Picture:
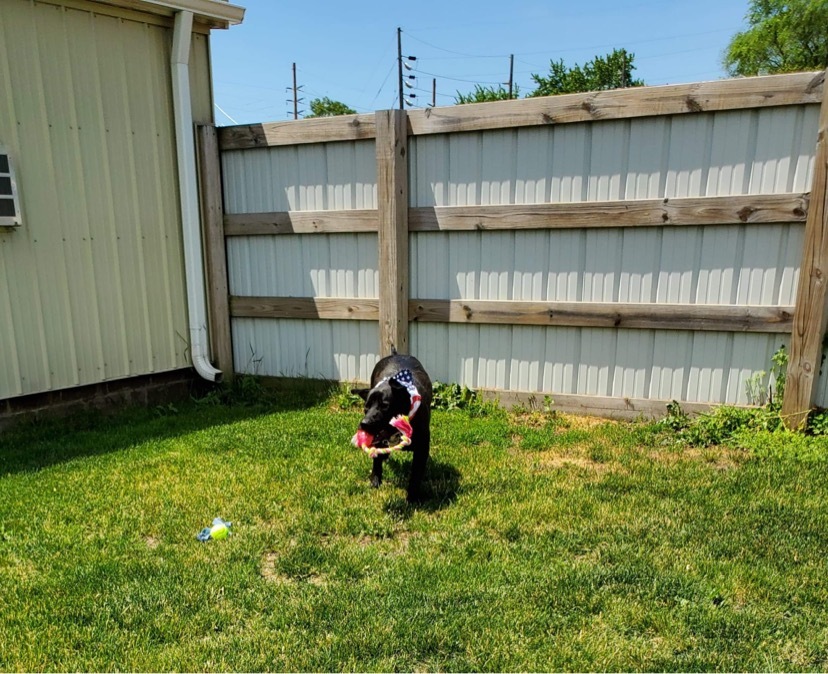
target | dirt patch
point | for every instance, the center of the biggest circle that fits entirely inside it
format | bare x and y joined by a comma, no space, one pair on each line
719,458
549,461
577,422
579,456
315,579
391,546
152,542
797,655
534,419
20,569
560,422
269,570
565,461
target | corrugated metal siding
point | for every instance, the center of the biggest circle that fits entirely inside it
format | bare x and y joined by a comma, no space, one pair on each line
330,176
336,350
738,264
336,265
662,365
762,151
318,177
93,282
744,152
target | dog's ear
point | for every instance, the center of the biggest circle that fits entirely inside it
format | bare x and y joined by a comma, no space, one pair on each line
361,392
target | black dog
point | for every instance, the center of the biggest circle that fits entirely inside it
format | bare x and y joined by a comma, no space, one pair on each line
396,382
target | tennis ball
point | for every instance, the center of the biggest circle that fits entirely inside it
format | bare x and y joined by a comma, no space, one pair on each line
219,531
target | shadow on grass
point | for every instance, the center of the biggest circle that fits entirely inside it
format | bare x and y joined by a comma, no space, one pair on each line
440,487
47,441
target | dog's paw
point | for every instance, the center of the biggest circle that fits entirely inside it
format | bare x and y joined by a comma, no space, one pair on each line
376,481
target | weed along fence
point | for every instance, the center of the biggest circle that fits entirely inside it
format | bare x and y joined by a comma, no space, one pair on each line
613,250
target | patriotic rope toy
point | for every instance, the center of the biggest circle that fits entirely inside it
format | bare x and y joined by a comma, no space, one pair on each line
402,422
364,440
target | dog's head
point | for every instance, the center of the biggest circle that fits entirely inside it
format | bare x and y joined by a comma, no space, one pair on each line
382,403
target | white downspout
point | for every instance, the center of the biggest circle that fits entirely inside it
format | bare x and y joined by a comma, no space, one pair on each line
188,194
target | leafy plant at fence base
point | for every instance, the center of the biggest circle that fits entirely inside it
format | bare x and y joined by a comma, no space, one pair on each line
755,388
818,422
452,397
779,372
728,424
245,389
676,420
719,426
345,400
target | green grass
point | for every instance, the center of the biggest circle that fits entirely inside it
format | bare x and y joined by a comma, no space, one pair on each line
546,543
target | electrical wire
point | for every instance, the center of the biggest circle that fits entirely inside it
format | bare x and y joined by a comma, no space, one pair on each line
450,51
382,86
487,79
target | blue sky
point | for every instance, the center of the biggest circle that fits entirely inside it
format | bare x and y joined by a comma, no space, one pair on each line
347,51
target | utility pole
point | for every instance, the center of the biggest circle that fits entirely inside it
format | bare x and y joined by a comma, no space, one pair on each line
624,69
296,100
434,92
400,63
400,66
511,74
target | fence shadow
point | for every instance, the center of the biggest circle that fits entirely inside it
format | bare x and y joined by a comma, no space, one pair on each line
41,442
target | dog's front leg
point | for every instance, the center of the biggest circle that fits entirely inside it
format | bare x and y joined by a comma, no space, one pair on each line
376,471
418,466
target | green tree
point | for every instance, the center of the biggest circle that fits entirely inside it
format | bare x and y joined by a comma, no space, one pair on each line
486,94
612,71
783,36
325,107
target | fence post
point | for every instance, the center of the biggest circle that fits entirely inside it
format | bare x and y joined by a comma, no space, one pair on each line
392,206
810,317
212,214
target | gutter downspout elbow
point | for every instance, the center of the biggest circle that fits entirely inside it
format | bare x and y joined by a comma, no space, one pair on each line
188,195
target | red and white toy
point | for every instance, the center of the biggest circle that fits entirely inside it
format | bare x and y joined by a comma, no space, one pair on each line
364,440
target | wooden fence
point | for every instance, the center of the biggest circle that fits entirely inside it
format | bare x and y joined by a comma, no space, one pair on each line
717,172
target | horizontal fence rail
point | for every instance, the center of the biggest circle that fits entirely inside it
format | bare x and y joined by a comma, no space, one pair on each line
753,209
757,209
396,218
675,99
606,315
570,314
298,222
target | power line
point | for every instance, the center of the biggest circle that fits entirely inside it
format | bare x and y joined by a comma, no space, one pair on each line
408,85
451,51
456,54
628,43
457,79
382,86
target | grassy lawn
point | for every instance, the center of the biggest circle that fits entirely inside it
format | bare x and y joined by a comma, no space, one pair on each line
547,543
